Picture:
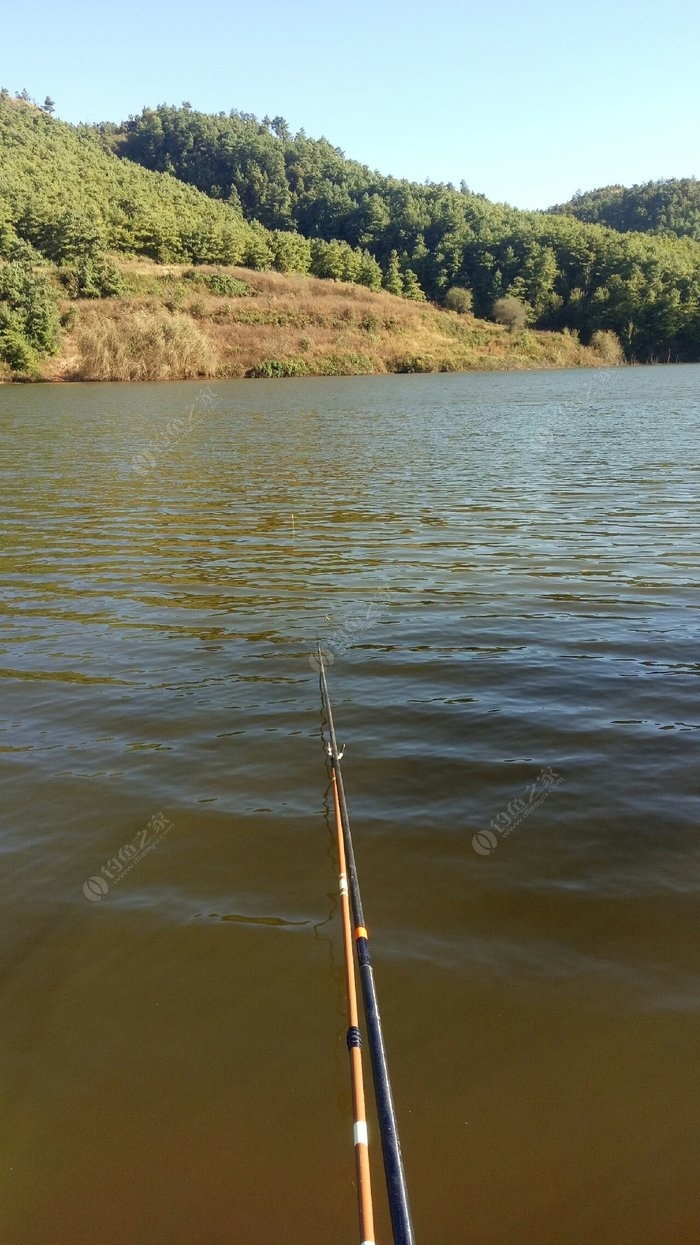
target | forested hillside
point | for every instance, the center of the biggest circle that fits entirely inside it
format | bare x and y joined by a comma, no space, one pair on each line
67,198
68,208
111,272
570,274
664,207
230,194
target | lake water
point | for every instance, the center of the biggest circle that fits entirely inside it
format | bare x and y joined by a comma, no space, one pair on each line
503,570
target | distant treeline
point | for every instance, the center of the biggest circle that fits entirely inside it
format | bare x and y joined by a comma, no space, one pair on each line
665,207
429,238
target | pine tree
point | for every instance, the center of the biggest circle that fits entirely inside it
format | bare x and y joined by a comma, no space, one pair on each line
393,281
411,286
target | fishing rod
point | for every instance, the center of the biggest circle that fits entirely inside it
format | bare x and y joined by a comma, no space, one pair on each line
354,1040
399,1208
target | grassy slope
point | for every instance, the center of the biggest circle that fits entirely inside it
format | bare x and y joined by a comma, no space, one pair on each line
167,327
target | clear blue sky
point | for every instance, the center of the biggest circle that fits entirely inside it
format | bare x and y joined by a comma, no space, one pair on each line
527,100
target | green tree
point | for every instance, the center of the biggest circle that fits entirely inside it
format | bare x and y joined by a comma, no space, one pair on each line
335,260
661,207
369,272
411,286
393,280
29,322
291,252
560,267
279,127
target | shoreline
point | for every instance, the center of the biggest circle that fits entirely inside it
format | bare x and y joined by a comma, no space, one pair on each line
170,322
18,381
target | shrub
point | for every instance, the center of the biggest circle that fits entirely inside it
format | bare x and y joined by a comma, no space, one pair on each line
415,363
345,365
608,347
511,311
109,279
17,353
370,323
460,300
91,278
221,283
273,369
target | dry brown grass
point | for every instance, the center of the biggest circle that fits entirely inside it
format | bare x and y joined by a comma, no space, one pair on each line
287,322
608,347
148,344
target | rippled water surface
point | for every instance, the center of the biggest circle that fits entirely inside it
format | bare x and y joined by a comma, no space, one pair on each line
503,570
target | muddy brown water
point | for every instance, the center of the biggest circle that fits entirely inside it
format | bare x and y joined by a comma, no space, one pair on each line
504,572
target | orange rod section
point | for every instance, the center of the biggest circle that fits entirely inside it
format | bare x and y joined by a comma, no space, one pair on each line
364,1188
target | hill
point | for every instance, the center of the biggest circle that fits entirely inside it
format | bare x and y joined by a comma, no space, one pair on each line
670,208
68,208
96,281
570,274
65,198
